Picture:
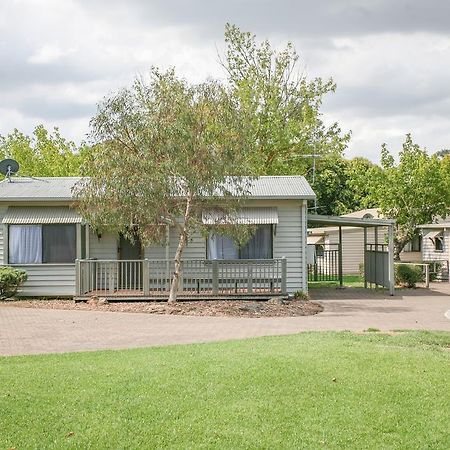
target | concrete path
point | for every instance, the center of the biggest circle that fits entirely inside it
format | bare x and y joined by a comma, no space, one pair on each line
33,331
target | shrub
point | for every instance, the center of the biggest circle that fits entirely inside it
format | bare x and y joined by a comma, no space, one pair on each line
301,295
407,275
10,280
362,272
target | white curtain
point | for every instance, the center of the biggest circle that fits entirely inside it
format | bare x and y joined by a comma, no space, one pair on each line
25,244
222,247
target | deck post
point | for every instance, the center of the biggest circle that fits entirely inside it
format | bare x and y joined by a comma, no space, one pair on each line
341,280
364,259
77,278
146,277
283,275
215,276
249,279
391,260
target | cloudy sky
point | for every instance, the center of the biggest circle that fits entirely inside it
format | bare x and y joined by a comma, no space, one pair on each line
390,59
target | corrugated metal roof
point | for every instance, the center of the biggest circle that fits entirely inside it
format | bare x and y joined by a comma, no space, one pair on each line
245,216
19,215
281,187
42,188
60,188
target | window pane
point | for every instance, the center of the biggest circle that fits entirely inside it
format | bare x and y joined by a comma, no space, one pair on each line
260,244
25,244
59,243
222,247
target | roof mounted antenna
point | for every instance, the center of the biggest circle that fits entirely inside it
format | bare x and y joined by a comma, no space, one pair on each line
8,168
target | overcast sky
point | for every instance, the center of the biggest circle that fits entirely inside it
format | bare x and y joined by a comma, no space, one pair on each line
390,59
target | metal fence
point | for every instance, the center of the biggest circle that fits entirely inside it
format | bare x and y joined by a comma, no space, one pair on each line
324,263
376,264
198,276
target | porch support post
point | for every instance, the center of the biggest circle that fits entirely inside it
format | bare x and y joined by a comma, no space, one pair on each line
365,259
88,241
341,280
77,278
283,275
5,244
168,257
391,259
78,233
146,277
215,276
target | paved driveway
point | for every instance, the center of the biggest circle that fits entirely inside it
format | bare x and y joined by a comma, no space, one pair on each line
31,331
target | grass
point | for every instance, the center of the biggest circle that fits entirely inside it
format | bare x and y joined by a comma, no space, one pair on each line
348,280
312,390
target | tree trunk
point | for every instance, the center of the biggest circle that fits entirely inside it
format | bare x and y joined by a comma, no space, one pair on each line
179,253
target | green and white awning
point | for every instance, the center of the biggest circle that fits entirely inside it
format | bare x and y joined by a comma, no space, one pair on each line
27,215
244,216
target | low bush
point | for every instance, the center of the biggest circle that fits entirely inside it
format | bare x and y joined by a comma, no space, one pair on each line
10,281
407,275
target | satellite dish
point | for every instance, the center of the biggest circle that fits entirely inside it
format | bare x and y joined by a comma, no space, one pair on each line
9,167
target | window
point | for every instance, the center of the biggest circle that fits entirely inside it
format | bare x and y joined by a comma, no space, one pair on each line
439,244
258,247
414,245
36,244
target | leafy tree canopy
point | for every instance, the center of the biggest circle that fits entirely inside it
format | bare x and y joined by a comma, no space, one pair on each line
413,191
45,154
279,104
341,185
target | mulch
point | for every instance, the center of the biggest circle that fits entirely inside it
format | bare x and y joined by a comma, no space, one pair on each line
234,308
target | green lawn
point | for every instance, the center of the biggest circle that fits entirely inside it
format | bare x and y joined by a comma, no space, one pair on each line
348,280
312,390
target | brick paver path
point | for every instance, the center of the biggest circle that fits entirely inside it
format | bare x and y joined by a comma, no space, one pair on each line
30,331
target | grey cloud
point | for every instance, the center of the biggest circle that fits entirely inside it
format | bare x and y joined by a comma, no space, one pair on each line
293,18
54,109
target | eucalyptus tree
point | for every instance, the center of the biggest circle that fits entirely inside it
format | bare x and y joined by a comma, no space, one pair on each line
282,107
167,151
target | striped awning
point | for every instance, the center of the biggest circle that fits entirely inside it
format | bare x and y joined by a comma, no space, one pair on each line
245,216
433,234
313,240
24,215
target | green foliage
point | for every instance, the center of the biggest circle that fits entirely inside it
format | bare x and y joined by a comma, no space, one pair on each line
10,281
280,107
301,295
167,151
341,185
408,275
414,191
43,154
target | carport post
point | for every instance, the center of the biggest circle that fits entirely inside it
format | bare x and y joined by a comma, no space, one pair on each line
391,259
364,260
340,257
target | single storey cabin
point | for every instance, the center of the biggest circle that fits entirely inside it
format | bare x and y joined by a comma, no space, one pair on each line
436,247
42,233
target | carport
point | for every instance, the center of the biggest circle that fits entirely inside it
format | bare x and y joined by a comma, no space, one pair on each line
378,256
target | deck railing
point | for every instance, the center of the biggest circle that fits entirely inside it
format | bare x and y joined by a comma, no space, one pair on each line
150,277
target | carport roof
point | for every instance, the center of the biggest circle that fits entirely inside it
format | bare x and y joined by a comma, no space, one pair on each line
318,219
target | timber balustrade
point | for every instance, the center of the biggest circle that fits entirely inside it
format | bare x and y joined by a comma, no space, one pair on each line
150,277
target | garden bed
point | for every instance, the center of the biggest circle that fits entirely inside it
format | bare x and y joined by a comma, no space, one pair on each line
235,308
